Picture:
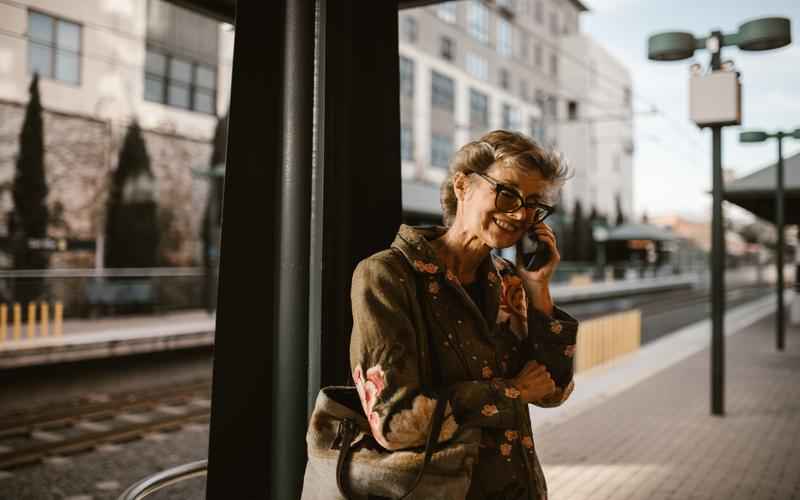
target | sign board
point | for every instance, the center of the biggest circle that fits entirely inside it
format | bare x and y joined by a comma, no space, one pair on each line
715,99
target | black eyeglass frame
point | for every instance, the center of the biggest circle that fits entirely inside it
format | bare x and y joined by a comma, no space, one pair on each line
499,187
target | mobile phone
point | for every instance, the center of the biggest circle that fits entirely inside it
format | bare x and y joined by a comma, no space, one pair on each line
538,253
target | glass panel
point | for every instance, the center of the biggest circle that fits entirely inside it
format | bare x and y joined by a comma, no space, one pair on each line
406,77
68,67
178,95
69,36
204,102
205,76
40,27
40,60
153,89
155,63
180,70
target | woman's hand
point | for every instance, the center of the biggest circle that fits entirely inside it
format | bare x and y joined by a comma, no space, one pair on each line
546,236
533,382
537,283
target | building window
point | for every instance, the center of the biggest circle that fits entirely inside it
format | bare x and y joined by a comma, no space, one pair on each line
536,129
446,12
442,92
554,65
180,82
406,143
572,110
478,109
552,107
554,23
54,48
504,43
410,29
504,78
538,12
441,149
523,48
627,96
523,90
406,77
477,66
510,118
537,56
446,48
478,21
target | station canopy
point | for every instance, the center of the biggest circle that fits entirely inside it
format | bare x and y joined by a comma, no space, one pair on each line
756,192
635,231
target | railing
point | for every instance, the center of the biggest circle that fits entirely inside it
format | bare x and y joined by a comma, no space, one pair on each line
163,479
40,322
608,337
97,292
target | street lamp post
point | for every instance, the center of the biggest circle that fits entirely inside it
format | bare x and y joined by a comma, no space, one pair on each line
760,136
720,105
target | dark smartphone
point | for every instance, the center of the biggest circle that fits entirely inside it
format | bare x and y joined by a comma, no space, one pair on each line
537,253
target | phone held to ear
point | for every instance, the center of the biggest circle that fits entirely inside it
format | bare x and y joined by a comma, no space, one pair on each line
538,256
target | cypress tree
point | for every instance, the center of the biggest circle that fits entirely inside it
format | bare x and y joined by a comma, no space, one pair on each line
30,199
579,242
620,215
212,217
132,231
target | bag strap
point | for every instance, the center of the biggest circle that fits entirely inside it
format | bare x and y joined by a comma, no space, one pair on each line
347,427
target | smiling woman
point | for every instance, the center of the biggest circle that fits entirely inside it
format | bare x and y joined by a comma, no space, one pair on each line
439,301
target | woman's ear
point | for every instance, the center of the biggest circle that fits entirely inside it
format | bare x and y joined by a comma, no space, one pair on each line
460,184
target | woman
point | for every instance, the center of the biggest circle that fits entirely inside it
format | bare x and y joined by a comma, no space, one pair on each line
499,341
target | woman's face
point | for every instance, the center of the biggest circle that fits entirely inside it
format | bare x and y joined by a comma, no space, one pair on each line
477,209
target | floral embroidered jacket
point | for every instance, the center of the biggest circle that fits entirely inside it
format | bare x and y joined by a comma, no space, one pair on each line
399,290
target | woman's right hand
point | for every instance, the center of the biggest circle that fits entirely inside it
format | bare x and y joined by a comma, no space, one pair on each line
534,382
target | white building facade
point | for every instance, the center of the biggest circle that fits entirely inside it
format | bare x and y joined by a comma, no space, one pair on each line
103,64
471,66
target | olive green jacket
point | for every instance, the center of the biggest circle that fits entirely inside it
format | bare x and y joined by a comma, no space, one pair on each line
398,291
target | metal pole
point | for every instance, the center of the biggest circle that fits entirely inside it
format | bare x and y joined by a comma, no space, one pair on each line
290,366
779,322
717,263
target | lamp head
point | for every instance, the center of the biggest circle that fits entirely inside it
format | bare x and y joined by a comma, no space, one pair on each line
765,34
670,46
752,136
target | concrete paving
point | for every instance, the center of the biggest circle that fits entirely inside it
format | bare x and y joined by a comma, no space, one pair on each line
642,428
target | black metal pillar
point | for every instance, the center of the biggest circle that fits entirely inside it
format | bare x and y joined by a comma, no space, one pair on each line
242,409
780,314
290,367
717,262
358,166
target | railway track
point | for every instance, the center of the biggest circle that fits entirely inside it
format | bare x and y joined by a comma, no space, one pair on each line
67,429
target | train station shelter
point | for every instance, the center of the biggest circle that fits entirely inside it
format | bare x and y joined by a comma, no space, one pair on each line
756,192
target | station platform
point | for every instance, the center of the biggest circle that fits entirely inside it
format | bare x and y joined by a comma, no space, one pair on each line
640,427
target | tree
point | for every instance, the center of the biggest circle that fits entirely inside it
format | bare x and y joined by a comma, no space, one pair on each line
212,217
29,220
579,241
620,214
132,231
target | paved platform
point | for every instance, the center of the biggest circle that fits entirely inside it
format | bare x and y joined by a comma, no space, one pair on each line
641,428
109,337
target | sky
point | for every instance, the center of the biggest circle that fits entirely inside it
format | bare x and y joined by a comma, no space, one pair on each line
672,160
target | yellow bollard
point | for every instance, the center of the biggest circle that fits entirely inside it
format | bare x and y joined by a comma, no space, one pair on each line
44,312
3,321
58,314
17,321
31,319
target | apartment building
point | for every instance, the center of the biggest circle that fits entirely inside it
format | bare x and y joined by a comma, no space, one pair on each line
467,67
101,65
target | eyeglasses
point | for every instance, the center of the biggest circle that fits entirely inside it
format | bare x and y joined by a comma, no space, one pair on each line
509,200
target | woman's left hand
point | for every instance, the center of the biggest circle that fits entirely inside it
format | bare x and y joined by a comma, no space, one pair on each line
541,277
